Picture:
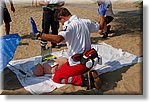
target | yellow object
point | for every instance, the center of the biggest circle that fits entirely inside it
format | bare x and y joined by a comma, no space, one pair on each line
49,57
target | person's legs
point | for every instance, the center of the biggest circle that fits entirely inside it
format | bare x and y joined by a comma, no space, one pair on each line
70,74
7,20
45,27
7,28
96,79
77,75
2,15
104,33
108,19
54,28
91,80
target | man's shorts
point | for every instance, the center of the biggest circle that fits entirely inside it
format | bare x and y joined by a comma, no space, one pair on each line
108,19
6,16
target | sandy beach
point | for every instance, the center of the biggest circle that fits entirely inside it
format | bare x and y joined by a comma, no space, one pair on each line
128,36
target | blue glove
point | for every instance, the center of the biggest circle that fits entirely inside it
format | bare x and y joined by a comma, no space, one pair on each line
34,27
102,10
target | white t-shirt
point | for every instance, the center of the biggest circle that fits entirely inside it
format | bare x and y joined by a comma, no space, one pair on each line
76,32
2,4
55,1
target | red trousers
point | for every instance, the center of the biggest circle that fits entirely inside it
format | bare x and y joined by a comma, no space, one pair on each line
70,74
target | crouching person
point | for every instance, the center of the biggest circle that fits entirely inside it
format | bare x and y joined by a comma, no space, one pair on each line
76,34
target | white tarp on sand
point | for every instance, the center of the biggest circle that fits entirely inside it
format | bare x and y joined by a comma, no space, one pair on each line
112,59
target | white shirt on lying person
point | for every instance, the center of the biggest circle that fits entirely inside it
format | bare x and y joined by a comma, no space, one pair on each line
76,32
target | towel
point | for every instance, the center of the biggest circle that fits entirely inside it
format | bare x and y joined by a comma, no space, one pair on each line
112,59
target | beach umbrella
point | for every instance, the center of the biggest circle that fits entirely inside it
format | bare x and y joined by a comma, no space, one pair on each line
8,45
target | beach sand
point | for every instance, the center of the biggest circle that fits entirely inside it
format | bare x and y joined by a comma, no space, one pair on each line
128,35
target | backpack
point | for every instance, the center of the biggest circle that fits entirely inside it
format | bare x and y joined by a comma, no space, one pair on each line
89,58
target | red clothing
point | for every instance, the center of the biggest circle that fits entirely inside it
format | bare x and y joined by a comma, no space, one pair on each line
70,74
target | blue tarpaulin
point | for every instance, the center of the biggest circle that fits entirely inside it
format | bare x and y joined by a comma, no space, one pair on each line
8,45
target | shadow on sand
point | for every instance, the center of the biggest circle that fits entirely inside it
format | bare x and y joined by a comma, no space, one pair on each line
125,22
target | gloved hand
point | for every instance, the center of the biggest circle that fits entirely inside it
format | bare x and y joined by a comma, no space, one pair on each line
102,10
35,31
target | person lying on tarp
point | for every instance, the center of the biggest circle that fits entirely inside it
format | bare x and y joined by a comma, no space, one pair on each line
76,34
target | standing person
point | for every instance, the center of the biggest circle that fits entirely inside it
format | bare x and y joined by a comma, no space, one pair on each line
106,16
76,34
6,15
49,8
